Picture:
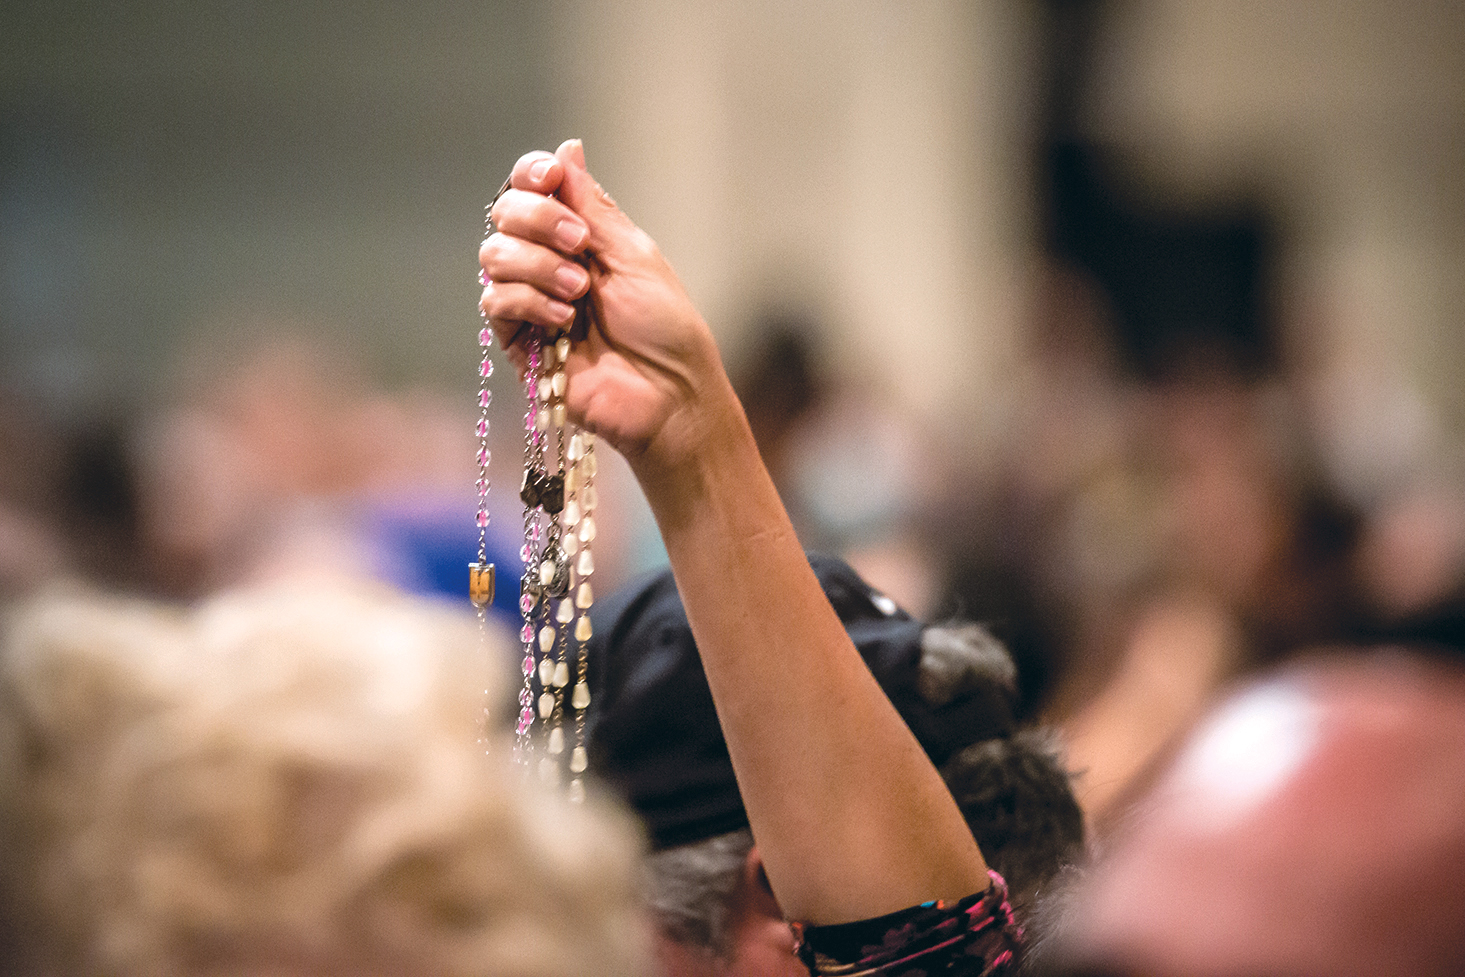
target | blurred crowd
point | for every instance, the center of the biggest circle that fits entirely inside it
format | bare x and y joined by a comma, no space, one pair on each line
1186,499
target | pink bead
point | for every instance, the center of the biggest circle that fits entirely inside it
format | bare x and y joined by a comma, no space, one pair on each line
529,421
483,427
485,397
483,456
528,665
526,633
485,369
483,278
485,336
526,698
483,485
526,603
482,519
526,555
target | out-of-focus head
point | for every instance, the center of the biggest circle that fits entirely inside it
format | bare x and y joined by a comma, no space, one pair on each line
287,782
1314,824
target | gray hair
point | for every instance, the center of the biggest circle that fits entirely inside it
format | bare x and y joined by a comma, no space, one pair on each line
690,889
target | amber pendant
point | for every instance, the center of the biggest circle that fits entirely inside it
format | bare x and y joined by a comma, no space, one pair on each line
480,583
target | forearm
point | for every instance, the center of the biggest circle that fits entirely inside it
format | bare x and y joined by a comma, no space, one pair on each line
850,817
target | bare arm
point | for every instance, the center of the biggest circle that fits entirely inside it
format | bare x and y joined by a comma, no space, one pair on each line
851,818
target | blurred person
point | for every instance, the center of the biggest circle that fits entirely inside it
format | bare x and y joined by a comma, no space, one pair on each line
848,467
32,547
1314,823
281,457
1249,559
653,734
287,780
861,842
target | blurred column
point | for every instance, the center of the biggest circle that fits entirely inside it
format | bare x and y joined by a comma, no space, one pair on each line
859,160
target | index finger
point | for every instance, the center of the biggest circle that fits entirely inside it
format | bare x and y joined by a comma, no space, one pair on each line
538,171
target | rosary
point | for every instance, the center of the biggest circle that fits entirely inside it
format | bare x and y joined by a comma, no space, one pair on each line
558,496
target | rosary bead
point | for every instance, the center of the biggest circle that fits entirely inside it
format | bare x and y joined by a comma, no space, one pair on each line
556,744
582,629
546,638
485,369
528,665
572,513
552,494
588,497
587,529
558,383
485,397
482,518
588,464
579,760
580,698
584,596
526,633
544,388
558,414
541,420
562,348
530,490
570,544
576,451
484,455
561,675
482,427
546,671
566,612
546,705
485,336
585,566
576,791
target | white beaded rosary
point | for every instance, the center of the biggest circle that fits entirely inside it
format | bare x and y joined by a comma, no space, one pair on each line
558,495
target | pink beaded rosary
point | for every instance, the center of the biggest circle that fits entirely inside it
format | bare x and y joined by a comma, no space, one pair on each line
558,495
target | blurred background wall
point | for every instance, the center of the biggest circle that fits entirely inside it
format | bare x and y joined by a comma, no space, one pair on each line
171,167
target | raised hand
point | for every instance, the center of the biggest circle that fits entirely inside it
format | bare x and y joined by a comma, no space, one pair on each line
647,377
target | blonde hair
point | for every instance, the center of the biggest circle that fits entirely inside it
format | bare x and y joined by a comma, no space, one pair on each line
290,781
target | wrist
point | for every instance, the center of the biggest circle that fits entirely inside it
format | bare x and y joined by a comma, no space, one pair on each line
703,454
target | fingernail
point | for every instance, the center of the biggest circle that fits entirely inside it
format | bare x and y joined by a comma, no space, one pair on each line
540,170
571,279
570,234
560,311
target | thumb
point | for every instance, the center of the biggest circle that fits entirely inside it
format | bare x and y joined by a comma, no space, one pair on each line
609,227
